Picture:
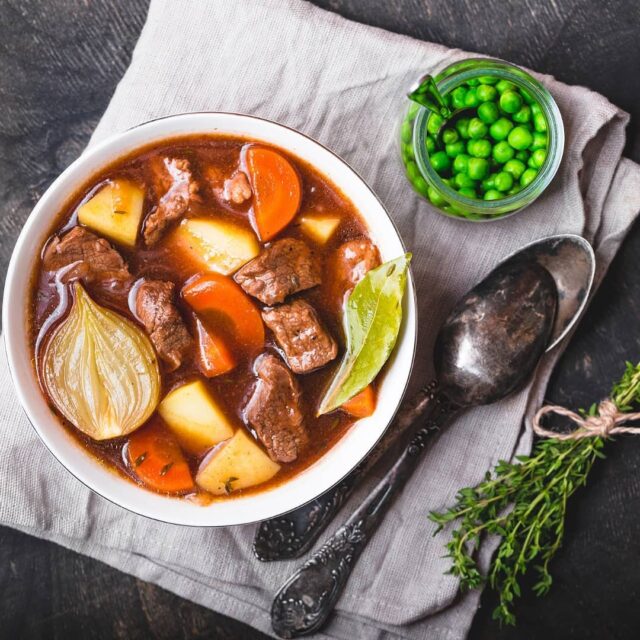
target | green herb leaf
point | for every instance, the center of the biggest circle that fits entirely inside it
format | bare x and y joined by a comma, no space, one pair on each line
372,320
525,503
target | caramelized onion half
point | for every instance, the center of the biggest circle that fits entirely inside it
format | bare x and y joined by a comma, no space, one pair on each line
101,371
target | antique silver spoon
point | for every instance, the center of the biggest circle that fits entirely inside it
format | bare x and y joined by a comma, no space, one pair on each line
570,260
487,348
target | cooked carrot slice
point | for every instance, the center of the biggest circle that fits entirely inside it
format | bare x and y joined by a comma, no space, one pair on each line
215,357
363,404
276,191
212,292
156,458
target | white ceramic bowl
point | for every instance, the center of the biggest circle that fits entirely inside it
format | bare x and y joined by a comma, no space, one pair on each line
310,483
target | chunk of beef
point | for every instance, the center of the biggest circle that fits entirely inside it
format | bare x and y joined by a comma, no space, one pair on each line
306,343
237,188
286,267
274,410
354,259
160,317
94,260
349,264
177,188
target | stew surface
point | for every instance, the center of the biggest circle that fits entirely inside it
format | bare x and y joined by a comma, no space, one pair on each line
234,259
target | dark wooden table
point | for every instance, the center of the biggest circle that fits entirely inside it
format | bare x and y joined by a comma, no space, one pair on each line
59,63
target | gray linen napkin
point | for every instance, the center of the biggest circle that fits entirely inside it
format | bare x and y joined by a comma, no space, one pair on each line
341,83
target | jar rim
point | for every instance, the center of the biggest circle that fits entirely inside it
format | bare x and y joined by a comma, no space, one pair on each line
451,77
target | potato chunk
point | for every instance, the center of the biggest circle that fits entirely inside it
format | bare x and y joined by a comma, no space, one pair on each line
218,245
319,227
115,211
195,417
235,464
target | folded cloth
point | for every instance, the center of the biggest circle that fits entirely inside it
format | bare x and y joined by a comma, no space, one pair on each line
343,84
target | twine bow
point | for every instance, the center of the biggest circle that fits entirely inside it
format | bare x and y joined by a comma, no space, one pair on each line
608,422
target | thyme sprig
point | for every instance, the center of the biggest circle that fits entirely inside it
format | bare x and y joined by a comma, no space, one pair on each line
525,503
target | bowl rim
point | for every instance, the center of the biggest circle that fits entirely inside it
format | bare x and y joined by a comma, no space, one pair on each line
42,216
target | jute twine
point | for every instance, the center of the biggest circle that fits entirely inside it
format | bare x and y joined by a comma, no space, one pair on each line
608,422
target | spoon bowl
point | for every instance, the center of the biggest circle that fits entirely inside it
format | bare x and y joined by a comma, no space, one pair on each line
571,262
493,338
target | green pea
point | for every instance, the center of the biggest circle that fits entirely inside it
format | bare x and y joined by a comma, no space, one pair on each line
488,112
510,102
468,192
523,115
520,138
489,183
454,148
412,110
440,161
435,197
486,93
540,141
528,177
514,190
478,168
505,85
492,194
458,96
449,136
448,182
515,167
503,181
434,123
488,79
405,132
539,123
499,130
477,129
462,180
461,163
412,171
462,127
420,185
537,158
502,152
471,99
430,144
479,148
473,82
535,108
527,97
523,155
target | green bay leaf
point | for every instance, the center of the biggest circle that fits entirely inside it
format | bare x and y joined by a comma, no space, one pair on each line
373,315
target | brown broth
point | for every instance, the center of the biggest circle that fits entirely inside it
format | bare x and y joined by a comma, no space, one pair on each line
218,156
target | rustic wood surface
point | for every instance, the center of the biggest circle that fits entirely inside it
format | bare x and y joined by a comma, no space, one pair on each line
59,63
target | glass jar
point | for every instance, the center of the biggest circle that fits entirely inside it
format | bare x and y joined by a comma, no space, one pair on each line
443,191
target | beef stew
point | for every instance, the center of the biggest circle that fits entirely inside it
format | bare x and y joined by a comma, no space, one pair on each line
219,252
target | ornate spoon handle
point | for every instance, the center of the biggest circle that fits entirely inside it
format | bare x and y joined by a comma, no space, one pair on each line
293,534
306,600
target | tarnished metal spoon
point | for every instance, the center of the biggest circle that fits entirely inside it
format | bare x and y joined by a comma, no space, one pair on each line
487,347
570,260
